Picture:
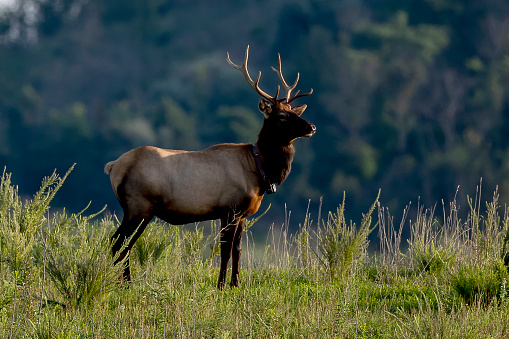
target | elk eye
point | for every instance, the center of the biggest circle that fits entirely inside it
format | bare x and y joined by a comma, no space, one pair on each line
283,116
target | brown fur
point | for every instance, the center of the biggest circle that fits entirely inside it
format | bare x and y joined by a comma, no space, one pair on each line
193,184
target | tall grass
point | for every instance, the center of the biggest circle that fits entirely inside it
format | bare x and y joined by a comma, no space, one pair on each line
449,279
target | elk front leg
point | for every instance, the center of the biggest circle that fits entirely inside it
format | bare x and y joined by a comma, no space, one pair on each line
236,252
228,229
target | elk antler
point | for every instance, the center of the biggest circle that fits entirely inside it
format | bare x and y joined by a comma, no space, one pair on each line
250,81
279,72
288,89
255,84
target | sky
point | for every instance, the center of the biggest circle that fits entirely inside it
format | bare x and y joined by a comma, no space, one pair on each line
6,3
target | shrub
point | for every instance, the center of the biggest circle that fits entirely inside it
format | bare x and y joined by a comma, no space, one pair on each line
341,245
482,283
430,249
153,243
21,223
76,256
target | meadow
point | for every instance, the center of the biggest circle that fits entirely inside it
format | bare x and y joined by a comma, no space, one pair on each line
447,280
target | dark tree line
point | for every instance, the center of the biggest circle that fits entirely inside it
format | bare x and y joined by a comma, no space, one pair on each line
410,97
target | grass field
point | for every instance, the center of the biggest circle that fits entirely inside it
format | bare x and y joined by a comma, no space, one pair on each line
449,280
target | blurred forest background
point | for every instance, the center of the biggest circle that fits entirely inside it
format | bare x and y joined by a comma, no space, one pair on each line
409,96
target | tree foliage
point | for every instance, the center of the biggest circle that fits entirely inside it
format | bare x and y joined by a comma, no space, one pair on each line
410,97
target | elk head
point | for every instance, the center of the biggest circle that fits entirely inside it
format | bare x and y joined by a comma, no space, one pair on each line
282,121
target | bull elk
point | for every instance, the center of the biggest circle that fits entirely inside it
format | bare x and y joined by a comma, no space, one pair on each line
225,181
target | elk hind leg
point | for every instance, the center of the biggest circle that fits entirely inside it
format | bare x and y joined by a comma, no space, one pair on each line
124,238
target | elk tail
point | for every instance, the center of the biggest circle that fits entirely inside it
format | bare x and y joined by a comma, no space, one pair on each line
108,167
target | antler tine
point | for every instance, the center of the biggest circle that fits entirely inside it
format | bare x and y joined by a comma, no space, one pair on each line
279,72
297,95
277,93
243,69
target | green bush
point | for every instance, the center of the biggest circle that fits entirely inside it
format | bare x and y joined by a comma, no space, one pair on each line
341,245
153,243
21,223
75,254
431,258
481,283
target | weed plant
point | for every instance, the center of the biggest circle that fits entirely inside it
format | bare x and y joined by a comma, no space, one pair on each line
449,280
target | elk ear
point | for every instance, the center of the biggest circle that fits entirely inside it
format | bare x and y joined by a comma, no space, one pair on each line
265,106
299,109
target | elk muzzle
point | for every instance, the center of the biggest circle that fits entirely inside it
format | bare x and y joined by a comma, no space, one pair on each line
312,130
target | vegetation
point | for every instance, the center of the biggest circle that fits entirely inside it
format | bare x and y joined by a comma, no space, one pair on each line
59,281
409,96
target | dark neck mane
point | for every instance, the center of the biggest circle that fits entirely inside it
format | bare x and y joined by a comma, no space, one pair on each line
277,159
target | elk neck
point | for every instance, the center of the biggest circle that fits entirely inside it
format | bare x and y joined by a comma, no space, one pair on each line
276,157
